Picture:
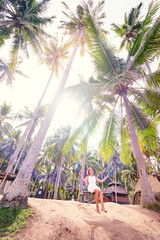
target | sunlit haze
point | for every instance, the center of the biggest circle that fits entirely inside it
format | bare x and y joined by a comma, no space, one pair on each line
27,91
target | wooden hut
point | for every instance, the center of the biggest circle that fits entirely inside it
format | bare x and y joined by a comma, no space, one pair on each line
155,185
115,193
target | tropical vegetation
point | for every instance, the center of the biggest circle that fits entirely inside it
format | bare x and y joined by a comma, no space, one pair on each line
120,102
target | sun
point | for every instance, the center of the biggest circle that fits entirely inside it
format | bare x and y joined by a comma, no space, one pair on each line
67,113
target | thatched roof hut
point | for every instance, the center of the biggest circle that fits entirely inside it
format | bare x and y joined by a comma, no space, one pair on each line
155,185
116,186
116,192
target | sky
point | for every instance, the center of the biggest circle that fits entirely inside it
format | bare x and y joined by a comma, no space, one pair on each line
27,91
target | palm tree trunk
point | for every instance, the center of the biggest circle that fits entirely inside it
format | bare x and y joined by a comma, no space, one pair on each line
36,180
52,182
29,127
58,177
31,131
17,193
115,174
46,188
82,173
147,195
101,167
73,183
131,186
124,178
22,144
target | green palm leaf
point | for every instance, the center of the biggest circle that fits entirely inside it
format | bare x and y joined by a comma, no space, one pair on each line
125,143
149,137
108,141
85,130
140,120
148,104
148,47
104,58
22,21
85,91
153,80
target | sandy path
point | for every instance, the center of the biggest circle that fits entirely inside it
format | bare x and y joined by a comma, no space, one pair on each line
67,220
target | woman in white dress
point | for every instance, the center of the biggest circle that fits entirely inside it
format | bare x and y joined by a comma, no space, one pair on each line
93,188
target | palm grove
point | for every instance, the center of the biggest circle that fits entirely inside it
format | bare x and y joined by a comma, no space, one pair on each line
122,97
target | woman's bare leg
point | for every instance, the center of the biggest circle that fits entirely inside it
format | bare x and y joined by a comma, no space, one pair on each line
96,199
101,200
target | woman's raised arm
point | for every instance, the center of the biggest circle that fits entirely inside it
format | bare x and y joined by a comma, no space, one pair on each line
83,179
101,181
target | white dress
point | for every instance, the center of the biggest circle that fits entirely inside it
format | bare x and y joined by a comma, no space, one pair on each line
92,184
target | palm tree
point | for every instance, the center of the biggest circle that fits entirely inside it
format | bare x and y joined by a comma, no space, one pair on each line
75,27
9,142
129,30
5,113
7,75
134,25
25,172
7,147
36,120
22,22
117,84
134,29
123,89
58,141
57,53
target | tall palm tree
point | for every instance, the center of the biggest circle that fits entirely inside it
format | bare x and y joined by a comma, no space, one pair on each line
23,21
59,141
118,88
36,121
134,28
25,172
129,30
56,53
76,25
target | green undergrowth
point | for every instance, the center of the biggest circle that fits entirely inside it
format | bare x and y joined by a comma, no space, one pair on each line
155,206
12,220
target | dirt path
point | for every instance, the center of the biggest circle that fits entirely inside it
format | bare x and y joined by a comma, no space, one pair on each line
67,220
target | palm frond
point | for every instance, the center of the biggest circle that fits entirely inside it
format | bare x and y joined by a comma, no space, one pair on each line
153,80
108,141
14,53
153,96
148,47
149,107
125,143
85,130
70,12
39,7
34,42
134,14
152,11
149,137
85,91
139,119
104,59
